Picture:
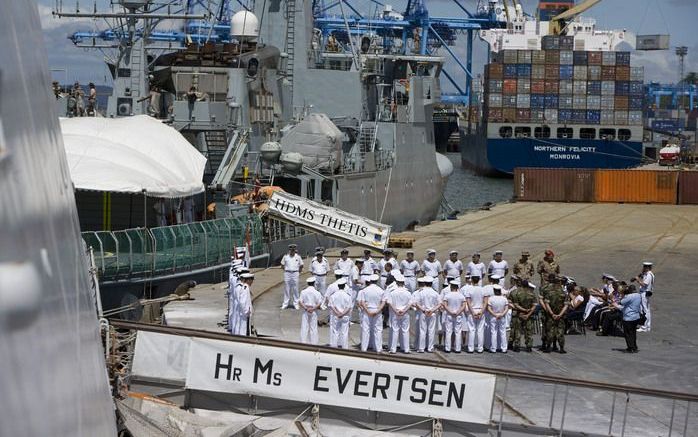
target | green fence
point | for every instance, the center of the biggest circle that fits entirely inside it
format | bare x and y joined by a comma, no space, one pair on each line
141,252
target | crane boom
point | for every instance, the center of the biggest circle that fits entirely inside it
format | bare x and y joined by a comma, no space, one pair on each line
573,12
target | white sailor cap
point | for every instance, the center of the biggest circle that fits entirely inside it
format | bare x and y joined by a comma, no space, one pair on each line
431,251
319,252
647,263
359,260
236,261
387,251
496,287
496,277
532,285
247,276
342,281
339,272
310,280
498,252
320,249
426,279
292,246
570,280
453,252
373,277
398,277
450,278
455,282
611,277
476,254
410,251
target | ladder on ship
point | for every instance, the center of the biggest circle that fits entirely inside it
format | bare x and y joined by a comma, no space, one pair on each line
216,147
367,137
231,159
290,40
136,61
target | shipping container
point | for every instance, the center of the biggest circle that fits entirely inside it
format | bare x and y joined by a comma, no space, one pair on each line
537,115
497,57
566,57
636,186
579,101
551,116
509,86
579,116
564,115
580,87
622,72
510,71
635,103
523,86
509,115
594,58
593,116
608,72
622,58
594,102
608,58
538,71
594,87
511,57
608,102
608,118
552,87
565,102
636,88
635,118
524,70
494,100
580,58
622,103
580,72
550,42
620,117
537,101
524,57
552,57
594,72
523,115
566,72
652,42
538,57
688,188
552,71
537,86
608,88
494,115
637,73
495,71
551,101
566,87
509,100
567,42
523,101
622,88
554,185
495,86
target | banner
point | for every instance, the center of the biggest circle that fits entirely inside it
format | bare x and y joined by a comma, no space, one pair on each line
329,379
328,220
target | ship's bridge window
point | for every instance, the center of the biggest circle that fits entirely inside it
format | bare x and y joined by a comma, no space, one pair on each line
505,131
624,134
565,132
541,132
607,134
522,132
587,133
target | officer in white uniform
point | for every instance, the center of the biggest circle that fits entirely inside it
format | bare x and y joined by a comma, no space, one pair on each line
646,282
340,305
370,265
428,303
453,266
388,258
498,266
244,305
233,277
432,267
371,300
477,299
498,307
454,305
344,263
476,268
338,274
409,268
292,264
358,281
310,301
386,272
319,267
493,279
400,301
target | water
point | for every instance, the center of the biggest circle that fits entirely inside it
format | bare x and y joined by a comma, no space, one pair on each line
466,190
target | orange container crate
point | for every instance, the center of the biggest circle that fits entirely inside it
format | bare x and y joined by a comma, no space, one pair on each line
636,186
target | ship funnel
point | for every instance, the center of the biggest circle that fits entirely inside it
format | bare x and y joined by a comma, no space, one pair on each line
244,25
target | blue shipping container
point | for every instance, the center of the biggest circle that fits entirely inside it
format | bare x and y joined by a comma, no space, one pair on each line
635,103
594,88
564,115
594,117
636,88
622,88
622,58
566,72
537,101
579,116
580,57
510,71
551,101
523,70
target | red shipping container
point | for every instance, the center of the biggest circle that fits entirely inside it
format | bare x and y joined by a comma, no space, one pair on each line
554,185
594,58
495,115
608,72
622,72
495,71
509,86
621,103
552,86
537,86
523,115
688,188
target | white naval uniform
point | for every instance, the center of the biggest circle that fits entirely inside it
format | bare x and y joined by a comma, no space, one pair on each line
476,327
319,270
428,299
647,285
401,299
344,265
310,297
498,327
244,309
409,271
232,301
384,273
478,270
434,270
454,269
292,266
329,291
369,266
453,300
372,296
498,268
340,301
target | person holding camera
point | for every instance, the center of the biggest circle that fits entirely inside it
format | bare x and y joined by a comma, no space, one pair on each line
631,307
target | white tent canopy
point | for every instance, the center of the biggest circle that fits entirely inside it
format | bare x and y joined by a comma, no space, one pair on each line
131,154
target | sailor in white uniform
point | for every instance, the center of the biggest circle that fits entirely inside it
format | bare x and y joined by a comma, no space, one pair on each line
233,277
292,264
400,301
646,282
477,299
370,265
428,303
387,273
498,266
371,300
453,266
432,267
319,267
388,258
409,268
310,301
344,263
476,268
340,305
244,305
498,307
454,305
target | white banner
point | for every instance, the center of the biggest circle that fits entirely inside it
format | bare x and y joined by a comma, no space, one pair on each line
342,381
328,220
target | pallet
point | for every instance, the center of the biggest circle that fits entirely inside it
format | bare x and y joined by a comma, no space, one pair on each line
401,242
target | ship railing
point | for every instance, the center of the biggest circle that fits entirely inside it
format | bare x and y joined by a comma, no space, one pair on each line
140,253
324,60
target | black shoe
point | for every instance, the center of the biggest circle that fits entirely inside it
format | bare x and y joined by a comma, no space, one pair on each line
529,349
544,346
562,351
636,351
601,334
516,349
554,348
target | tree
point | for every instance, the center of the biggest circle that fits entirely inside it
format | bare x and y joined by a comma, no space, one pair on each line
691,78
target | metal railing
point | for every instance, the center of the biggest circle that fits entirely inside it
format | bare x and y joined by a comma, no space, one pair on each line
150,252
357,162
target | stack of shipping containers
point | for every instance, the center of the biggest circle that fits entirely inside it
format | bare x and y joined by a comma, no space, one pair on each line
561,85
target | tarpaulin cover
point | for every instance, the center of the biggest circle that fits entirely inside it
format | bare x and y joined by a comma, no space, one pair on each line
131,154
317,139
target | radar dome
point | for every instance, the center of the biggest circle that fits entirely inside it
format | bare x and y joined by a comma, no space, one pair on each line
244,24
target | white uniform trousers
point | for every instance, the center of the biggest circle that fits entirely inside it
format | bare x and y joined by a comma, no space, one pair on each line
486,330
498,327
309,332
436,285
452,327
321,283
232,314
290,289
507,319
417,328
476,328
339,331
427,331
648,314
411,283
241,325
400,331
371,326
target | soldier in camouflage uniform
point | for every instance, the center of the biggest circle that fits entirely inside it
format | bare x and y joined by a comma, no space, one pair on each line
524,268
557,304
548,266
551,281
523,301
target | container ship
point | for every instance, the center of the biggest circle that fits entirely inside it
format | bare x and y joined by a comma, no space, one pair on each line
557,94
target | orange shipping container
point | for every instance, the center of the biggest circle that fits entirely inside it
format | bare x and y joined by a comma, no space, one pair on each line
495,71
537,86
636,186
509,86
554,185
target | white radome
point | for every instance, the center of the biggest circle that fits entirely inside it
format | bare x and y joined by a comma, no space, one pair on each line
244,24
